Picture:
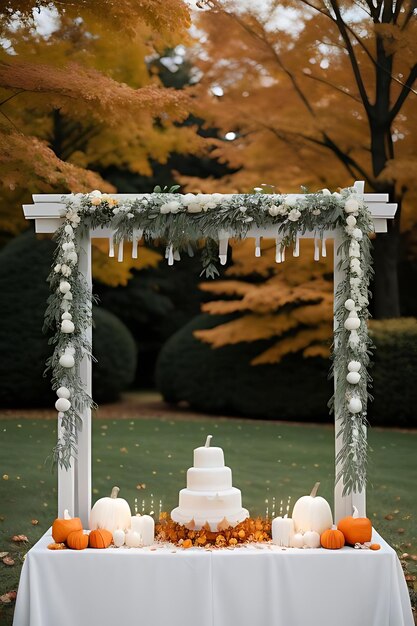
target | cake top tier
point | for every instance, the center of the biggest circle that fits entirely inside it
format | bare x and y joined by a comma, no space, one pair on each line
206,456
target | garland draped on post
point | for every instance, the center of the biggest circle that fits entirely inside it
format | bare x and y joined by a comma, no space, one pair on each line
181,221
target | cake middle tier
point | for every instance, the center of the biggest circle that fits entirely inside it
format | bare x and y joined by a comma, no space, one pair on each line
209,478
195,503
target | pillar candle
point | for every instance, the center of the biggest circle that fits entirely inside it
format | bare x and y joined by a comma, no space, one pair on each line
282,531
136,523
147,525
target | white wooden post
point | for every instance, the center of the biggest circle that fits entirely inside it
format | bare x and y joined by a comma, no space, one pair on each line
82,464
343,505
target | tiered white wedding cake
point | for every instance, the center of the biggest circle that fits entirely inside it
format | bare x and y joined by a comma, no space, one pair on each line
209,496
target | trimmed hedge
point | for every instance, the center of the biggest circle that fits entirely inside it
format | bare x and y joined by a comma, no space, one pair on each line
24,266
223,381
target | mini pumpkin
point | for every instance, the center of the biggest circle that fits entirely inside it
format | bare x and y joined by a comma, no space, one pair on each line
356,529
62,527
100,538
332,539
77,540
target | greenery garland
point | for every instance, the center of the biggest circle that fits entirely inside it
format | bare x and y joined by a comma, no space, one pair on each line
181,221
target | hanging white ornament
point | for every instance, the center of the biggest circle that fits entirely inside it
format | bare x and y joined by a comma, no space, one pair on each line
223,245
67,360
349,304
351,205
278,254
66,316
170,255
355,405
68,296
62,404
64,286
354,339
257,247
67,327
353,313
296,251
72,257
120,253
63,392
316,250
351,221
352,323
111,247
354,249
323,248
354,366
353,378
357,234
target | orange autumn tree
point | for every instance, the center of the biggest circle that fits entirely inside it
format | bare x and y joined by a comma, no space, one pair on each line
77,97
290,304
318,93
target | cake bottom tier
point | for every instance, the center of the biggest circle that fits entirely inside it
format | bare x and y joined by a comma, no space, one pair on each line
207,507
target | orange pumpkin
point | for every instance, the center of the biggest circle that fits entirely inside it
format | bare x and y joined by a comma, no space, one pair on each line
62,527
77,540
332,539
100,538
356,529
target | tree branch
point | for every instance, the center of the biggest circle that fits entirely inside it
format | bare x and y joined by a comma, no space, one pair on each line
340,89
352,57
405,92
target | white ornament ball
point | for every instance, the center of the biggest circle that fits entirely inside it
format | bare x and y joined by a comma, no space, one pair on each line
352,323
68,296
70,350
351,221
351,205
63,392
353,378
61,415
357,234
353,313
67,360
67,327
66,316
62,404
326,192
355,405
354,366
119,538
350,304
311,539
297,540
72,256
64,286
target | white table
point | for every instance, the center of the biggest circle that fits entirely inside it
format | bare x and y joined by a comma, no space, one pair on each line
247,586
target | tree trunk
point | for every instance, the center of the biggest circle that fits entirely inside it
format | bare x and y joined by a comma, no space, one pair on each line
386,301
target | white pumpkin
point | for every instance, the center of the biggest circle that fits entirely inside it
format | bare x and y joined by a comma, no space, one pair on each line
297,540
312,513
110,513
119,538
133,539
311,539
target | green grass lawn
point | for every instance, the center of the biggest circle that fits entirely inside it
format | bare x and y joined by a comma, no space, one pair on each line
148,459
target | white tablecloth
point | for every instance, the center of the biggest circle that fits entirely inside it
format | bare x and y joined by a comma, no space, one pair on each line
246,586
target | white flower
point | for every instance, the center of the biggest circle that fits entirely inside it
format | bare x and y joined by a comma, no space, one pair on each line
351,221
95,194
65,270
72,257
316,212
174,206
294,215
242,209
290,201
357,234
217,197
68,230
337,195
326,192
351,205
355,282
116,210
194,207
95,201
354,250
57,268
130,216
273,210
188,198
164,209
75,199
210,205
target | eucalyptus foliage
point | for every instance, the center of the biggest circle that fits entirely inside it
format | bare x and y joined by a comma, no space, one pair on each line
186,222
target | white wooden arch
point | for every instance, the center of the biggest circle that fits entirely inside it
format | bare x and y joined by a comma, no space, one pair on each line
74,484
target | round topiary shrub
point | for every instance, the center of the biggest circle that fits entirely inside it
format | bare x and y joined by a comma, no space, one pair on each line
24,266
223,381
